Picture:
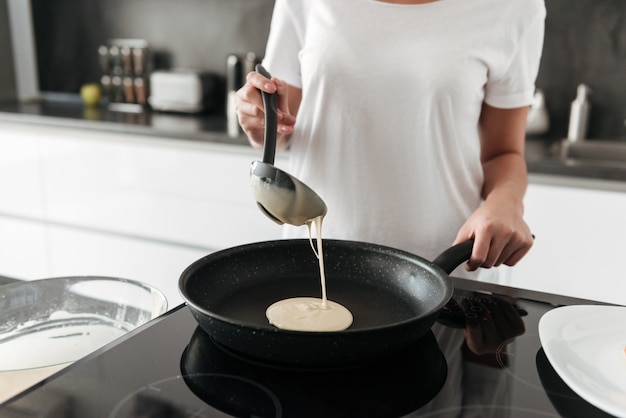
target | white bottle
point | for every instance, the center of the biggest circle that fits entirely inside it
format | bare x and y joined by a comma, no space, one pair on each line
233,83
579,114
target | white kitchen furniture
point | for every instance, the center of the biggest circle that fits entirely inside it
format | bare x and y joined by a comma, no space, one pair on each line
83,202
579,248
87,202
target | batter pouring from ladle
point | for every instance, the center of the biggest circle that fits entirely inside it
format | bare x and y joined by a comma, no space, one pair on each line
308,313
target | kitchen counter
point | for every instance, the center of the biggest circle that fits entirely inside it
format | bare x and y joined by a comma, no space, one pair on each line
542,159
70,113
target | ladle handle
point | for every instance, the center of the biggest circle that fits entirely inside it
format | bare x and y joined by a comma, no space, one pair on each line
270,104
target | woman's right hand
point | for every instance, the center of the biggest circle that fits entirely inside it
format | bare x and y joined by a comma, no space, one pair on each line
251,113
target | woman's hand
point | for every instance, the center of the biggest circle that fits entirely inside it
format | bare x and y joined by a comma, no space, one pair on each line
500,233
251,113
501,236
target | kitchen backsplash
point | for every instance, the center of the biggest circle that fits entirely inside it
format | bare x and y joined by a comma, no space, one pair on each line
585,43
7,86
193,34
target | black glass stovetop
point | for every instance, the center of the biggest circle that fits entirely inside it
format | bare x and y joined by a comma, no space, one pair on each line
482,358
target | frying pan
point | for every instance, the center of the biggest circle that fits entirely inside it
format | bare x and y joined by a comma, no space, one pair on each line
395,297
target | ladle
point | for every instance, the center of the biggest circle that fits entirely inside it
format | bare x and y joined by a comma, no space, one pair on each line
281,196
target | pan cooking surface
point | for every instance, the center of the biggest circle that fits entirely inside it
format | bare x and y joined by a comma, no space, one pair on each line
369,305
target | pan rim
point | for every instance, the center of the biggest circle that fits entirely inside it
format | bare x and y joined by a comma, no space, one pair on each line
437,274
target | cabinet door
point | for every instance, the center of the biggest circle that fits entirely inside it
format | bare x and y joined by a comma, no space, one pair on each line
75,252
579,245
160,189
23,248
20,175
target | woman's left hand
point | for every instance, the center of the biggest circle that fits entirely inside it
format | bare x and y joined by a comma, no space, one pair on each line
501,236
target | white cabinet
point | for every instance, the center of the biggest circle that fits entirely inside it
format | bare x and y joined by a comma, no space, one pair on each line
23,248
20,174
79,202
580,247
75,252
169,190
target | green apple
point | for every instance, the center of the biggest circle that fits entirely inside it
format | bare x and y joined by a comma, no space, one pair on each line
90,93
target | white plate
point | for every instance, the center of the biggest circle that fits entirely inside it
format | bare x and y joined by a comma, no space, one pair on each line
585,345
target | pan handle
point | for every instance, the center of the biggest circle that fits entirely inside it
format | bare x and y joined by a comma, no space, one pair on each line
455,256
270,103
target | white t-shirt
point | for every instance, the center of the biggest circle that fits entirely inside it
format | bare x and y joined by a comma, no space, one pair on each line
387,127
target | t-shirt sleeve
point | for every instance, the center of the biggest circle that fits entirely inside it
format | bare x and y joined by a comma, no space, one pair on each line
515,86
284,43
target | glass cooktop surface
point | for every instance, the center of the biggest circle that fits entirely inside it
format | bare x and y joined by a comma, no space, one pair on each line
482,358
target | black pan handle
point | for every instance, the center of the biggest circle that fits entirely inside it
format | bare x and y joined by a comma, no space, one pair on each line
455,256
270,103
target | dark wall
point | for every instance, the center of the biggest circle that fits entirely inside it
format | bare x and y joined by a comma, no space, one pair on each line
197,34
7,77
585,43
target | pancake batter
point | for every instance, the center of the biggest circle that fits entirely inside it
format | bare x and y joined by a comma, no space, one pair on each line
308,313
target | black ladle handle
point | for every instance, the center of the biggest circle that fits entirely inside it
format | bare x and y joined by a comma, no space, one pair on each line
270,104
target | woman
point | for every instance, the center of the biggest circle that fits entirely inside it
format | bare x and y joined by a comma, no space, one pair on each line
407,117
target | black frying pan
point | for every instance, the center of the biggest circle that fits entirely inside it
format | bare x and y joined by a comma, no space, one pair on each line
395,297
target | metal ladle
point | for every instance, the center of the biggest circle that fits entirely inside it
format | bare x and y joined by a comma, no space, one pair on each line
281,196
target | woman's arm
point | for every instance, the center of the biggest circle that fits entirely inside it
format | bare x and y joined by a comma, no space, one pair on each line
498,227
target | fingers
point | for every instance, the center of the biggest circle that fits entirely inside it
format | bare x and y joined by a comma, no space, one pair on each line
260,82
250,110
492,250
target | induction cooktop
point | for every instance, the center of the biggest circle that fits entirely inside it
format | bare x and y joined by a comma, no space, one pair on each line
482,358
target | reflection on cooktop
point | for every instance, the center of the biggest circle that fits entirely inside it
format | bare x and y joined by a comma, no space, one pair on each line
386,388
229,385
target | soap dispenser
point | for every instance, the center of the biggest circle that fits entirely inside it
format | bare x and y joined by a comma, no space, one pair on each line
579,114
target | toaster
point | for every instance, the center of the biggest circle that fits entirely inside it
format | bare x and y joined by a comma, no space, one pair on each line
186,91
